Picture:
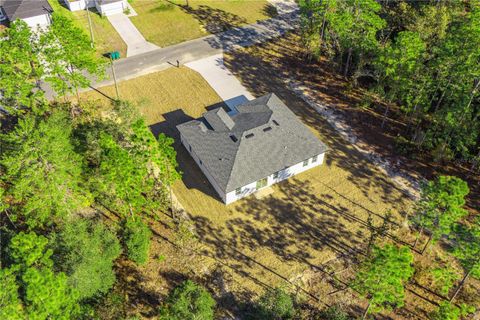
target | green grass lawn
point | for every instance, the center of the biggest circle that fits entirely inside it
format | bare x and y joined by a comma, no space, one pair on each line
106,38
169,22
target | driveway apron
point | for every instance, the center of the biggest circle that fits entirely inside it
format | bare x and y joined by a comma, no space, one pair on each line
221,80
136,43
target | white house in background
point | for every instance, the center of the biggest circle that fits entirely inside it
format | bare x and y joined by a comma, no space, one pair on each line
104,7
258,144
36,13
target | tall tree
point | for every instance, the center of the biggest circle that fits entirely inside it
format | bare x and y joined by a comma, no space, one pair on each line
466,241
41,171
69,55
21,70
382,276
441,206
131,170
44,293
85,251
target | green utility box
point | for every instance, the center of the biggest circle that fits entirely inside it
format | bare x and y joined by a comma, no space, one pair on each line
114,55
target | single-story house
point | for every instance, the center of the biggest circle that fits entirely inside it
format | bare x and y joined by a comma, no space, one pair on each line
36,13
104,7
258,144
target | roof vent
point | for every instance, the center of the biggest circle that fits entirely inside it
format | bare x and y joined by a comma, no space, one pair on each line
234,139
276,123
267,129
248,136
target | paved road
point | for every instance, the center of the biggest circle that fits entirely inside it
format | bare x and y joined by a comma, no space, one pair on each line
192,50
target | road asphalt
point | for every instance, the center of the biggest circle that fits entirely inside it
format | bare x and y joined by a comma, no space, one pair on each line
164,58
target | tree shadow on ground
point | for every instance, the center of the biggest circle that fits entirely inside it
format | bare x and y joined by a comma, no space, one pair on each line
214,20
139,298
268,68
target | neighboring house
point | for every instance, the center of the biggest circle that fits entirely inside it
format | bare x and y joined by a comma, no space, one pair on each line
104,7
260,143
36,13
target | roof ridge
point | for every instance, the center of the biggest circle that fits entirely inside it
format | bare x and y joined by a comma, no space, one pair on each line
234,162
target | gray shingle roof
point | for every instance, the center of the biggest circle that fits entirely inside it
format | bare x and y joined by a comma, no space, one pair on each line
265,137
22,9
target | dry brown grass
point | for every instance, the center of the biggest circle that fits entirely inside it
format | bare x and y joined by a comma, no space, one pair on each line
308,235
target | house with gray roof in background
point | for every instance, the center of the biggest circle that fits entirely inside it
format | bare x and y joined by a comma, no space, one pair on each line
256,145
36,13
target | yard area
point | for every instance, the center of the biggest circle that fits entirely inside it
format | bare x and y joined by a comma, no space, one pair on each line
312,226
307,236
166,23
105,37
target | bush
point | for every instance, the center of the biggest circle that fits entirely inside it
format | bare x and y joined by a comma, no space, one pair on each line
188,301
334,313
137,240
275,304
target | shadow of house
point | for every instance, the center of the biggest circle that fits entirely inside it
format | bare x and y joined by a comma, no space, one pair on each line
192,176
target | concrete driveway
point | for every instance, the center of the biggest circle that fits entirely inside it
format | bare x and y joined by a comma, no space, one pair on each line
221,80
136,43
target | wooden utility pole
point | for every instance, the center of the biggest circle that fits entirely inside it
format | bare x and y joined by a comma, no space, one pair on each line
114,78
92,41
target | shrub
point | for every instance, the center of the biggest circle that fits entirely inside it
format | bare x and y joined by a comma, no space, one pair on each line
334,313
188,301
275,304
137,240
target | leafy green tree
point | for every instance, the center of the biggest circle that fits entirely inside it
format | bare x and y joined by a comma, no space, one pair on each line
131,170
69,54
137,239
21,70
41,171
10,304
29,249
466,241
401,65
382,276
349,26
275,304
86,253
440,205
45,294
188,301
448,311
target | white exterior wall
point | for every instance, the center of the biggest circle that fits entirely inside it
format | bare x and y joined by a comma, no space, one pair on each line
282,175
204,170
79,4
41,20
111,8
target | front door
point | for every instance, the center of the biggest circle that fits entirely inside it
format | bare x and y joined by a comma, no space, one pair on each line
262,183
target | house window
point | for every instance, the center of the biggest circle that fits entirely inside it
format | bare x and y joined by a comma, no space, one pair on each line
275,175
305,163
238,191
314,159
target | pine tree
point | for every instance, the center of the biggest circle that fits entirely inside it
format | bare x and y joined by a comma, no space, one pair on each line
382,276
